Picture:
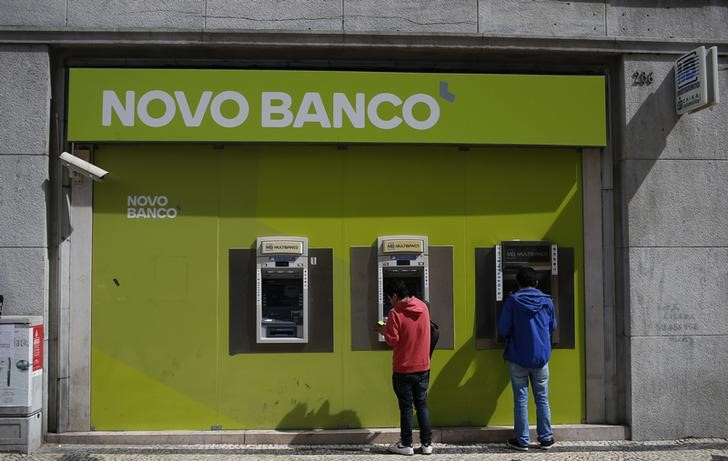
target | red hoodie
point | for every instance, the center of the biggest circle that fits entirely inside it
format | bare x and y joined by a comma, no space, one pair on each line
408,332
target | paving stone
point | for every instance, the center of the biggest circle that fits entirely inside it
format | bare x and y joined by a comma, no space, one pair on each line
676,450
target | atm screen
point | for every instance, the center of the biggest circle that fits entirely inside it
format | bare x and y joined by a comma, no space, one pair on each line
510,285
413,283
282,300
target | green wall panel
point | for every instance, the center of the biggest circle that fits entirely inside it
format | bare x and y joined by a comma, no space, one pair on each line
160,286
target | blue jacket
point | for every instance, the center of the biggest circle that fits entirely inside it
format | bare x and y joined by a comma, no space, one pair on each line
527,321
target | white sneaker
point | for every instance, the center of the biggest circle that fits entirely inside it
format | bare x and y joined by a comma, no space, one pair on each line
427,449
400,449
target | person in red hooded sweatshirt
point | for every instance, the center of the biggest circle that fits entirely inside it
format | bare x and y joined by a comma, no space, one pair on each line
408,332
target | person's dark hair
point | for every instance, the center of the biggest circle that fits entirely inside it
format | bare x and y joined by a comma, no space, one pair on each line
392,287
526,277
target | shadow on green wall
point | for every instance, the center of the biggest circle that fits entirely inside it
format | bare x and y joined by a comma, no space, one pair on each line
457,400
300,418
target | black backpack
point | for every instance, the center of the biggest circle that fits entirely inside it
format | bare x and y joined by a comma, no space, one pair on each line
434,336
434,332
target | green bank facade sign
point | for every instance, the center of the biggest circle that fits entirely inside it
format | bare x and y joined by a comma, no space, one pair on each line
329,106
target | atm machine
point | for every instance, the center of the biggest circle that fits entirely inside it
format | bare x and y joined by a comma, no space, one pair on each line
402,258
542,256
495,280
281,292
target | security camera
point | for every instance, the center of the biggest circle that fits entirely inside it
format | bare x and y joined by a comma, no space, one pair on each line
83,167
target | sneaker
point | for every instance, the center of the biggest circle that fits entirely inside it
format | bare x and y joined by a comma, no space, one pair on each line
546,444
516,445
427,449
400,449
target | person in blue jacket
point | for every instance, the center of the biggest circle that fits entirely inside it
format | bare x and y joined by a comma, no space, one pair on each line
526,322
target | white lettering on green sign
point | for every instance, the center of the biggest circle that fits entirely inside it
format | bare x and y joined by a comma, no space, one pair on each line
277,109
125,111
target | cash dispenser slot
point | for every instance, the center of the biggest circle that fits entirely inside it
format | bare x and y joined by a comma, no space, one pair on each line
402,258
282,289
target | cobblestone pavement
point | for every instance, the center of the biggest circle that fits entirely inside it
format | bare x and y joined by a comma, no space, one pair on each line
678,450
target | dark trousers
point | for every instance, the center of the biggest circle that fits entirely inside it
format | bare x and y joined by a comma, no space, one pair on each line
411,389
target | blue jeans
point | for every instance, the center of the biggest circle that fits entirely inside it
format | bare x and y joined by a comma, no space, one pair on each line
540,384
411,388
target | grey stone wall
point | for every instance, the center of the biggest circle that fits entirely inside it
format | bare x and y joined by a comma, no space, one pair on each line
668,19
673,174
24,133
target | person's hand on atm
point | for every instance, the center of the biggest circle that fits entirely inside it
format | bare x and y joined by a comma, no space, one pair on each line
380,325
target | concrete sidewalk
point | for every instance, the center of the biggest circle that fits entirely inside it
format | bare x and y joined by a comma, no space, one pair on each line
678,450
362,436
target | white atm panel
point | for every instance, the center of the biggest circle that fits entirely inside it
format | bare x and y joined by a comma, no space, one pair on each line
402,258
281,289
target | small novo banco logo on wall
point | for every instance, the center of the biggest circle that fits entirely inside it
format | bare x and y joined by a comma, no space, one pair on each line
149,207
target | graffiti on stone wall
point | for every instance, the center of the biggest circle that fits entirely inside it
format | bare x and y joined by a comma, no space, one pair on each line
674,319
